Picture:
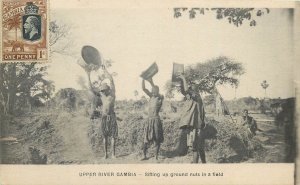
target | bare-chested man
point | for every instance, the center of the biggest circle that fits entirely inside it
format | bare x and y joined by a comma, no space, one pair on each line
108,119
153,132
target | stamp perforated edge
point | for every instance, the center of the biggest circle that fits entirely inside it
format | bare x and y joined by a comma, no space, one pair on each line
47,43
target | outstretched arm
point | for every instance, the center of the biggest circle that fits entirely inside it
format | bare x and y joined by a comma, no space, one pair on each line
90,84
111,80
144,88
184,86
151,82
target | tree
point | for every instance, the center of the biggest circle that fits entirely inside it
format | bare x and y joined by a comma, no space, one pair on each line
235,89
207,75
23,84
14,23
265,85
235,16
221,70
60,39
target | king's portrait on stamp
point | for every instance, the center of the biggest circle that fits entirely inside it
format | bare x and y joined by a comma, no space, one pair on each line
31,23
31,28
24,30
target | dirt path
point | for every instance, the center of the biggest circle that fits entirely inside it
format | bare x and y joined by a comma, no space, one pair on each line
76,148
272,139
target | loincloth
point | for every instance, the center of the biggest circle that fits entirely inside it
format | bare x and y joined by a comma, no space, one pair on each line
109,126
153,131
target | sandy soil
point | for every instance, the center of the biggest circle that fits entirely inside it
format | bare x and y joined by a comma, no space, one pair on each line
66,140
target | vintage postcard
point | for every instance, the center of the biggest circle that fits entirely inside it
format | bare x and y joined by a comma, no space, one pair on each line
140,92
24,31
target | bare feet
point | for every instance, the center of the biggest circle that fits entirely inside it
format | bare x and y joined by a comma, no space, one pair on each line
105,157
145,158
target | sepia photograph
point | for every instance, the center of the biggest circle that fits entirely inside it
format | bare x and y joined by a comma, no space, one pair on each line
147,84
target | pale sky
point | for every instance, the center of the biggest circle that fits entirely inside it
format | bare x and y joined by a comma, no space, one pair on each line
135,38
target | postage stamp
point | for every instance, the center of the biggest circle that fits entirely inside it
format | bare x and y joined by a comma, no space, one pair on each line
24,31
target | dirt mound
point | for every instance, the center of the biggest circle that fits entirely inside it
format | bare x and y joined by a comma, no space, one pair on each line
226,142
35,134
71,137
232,143
131,131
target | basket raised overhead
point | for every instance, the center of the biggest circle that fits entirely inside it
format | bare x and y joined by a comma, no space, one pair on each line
150,72
177,69
91,55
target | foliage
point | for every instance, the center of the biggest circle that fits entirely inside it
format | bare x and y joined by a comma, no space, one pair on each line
23,84
60,38
14,23
217,71
235,16
209,99
265,85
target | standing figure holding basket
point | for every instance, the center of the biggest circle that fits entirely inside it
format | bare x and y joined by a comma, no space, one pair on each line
109,126
192,119
107,94
153,130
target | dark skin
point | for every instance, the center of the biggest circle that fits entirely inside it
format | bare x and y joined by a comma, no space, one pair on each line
199,149
184,87
245,117
153,93
108,101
